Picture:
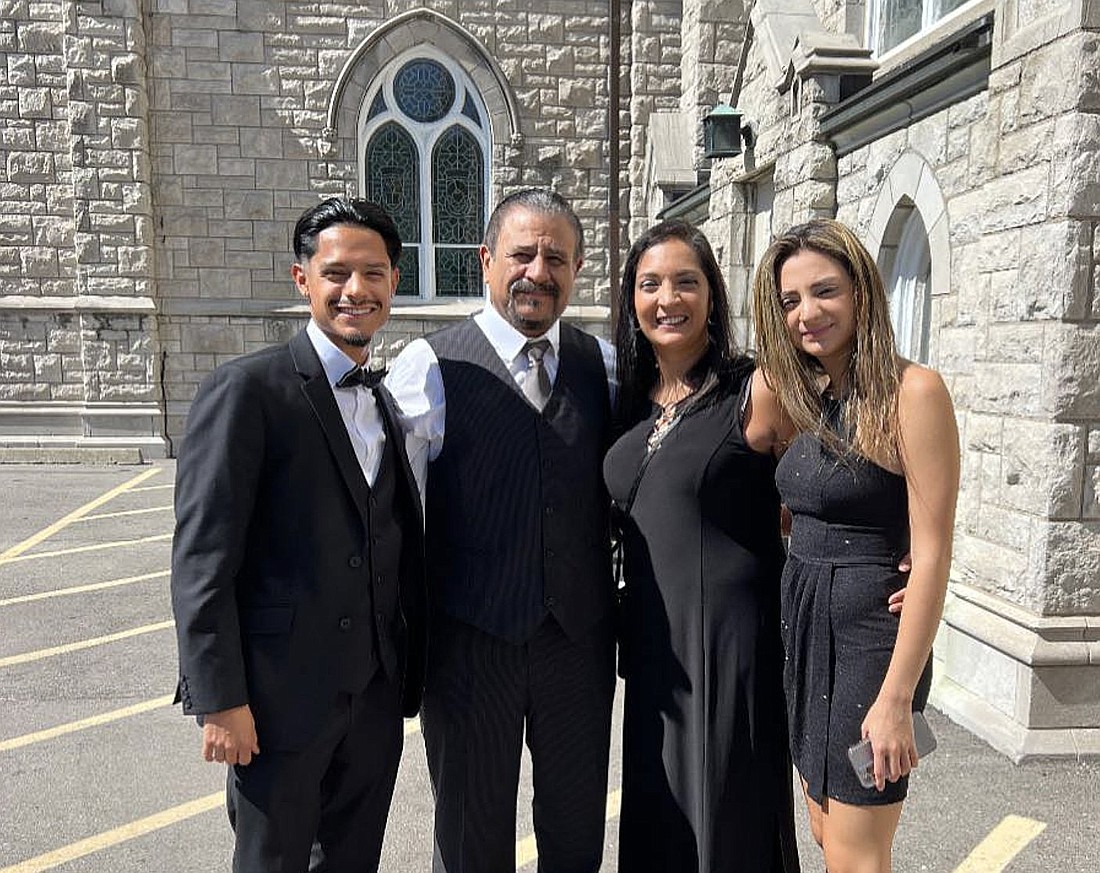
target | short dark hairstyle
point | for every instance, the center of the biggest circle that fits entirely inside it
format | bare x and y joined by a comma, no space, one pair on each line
636,360
537,200
341,210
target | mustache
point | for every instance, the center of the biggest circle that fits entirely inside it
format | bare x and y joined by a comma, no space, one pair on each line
526,286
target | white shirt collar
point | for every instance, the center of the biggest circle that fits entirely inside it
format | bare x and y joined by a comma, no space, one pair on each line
508,341
334,361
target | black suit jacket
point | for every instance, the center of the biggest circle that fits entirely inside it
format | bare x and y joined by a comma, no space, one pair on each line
269,560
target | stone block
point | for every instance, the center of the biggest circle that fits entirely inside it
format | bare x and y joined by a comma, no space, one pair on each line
38,261
196,160
128,133
35,103
240,46
1091,501
1015,200
28,168
1042,469
238,111
1075,164
255,205
1071,574
1072,367
40,38
261,142
128,69
256,79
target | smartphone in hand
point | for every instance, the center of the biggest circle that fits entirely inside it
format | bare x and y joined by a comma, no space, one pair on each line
863,758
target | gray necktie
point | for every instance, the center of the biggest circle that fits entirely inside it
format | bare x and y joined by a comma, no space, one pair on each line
536,384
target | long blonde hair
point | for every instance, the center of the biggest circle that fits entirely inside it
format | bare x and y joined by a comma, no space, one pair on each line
874,370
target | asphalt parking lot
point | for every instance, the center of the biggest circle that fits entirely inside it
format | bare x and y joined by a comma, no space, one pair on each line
101,773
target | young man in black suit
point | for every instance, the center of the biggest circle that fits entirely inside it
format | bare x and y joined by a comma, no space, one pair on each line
298,566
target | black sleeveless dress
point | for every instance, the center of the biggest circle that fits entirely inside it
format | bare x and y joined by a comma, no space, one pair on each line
706,772
850,529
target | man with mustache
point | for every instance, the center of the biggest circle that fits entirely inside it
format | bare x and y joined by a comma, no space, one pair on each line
512,411
298,566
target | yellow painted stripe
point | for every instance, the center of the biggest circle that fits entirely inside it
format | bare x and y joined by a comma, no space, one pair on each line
1002,844
81,589
39,654
47,532
116,544
125,512
85,723
527,851
168,487
122,834
139,828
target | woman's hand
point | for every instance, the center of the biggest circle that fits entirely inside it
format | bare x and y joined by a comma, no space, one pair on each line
889,725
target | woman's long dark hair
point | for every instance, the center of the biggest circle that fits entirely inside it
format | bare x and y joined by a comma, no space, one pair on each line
637,362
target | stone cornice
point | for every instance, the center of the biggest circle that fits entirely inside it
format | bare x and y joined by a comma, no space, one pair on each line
82,303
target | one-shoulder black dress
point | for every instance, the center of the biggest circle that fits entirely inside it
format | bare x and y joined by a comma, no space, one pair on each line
850,529
706,769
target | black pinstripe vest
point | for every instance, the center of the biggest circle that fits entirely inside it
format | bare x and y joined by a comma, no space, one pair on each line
517,514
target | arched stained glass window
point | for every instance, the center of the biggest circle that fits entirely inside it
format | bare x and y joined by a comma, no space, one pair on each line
393,183
425,160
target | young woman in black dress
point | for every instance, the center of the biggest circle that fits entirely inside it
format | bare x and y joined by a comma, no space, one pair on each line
870,470
706,769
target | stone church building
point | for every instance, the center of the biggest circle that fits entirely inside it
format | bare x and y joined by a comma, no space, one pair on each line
154,154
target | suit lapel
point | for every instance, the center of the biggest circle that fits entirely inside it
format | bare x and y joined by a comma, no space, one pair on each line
393,432
318,393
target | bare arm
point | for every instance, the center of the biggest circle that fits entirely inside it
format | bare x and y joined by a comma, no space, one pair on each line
930,459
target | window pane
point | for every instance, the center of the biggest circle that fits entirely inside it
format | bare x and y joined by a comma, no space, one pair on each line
424,90
470,110
457,188
408,285
895,22
457,272
393,178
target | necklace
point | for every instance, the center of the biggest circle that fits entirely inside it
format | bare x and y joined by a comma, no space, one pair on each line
668,418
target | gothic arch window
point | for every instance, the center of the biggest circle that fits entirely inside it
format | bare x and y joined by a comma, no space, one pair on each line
424,156
908,285
892,22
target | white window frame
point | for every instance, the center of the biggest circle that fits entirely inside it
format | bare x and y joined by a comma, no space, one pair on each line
424,137
929,19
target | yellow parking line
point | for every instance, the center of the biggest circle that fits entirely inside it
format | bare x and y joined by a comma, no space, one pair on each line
81,589
141,827
117,544
527,851
122,834
39,654
168,487
124,512
1002,844
31,541
85,723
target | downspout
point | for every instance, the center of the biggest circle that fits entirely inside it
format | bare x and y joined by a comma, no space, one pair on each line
614,75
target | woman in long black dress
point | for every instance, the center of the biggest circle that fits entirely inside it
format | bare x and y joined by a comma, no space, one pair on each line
871,472
706,772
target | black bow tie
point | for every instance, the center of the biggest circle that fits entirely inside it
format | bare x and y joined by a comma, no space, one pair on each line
360,376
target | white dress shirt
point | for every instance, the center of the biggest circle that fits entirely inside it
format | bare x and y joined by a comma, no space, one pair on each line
416,383
357,405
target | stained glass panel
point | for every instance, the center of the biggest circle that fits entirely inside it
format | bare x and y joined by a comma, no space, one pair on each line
424,90
457,188
393,178
470,110
408,285
377,106
457,272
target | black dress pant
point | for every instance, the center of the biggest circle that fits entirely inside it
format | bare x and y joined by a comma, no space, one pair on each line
481,694
324,807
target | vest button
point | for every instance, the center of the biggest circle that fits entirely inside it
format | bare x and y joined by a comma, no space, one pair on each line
380,578
345,624
355,562
549,602
549,510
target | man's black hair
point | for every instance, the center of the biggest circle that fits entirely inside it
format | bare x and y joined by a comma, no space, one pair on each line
341,210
